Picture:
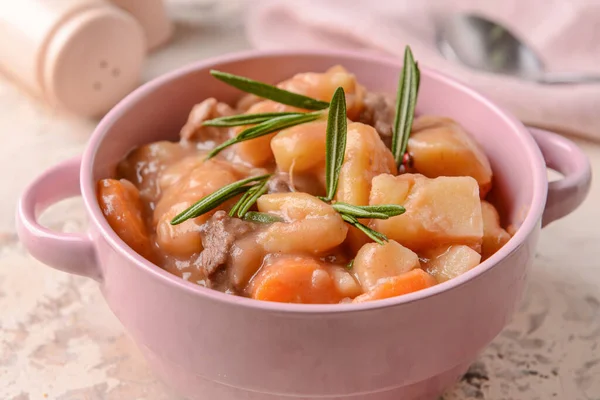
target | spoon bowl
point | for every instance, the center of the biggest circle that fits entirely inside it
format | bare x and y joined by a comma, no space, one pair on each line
482,44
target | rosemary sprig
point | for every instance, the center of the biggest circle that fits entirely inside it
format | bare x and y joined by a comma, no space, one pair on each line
262,218
335,142
384,211
248,199
246,119
408,87
266,127
376,236
217,198
270,92
335,148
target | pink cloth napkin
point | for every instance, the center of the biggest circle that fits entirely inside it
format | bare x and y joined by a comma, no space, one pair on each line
565,34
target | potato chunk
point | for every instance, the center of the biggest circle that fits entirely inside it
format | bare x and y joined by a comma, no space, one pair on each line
374,262
257,152
409,282
246,258
294,279
440,147
366,156
444,210
185,239
344,282
445,263
321,86
144,165
310,226
494,237
300,148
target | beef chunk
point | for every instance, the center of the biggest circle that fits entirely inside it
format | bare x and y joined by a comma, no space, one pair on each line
210,108
219,234
379,111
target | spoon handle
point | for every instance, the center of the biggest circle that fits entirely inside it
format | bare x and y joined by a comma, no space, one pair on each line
567,78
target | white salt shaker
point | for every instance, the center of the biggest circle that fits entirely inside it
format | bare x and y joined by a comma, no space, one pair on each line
79,55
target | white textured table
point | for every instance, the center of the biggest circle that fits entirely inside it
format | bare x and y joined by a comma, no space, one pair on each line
59,340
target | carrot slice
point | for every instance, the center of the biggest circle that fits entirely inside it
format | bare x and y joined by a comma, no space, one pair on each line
121,205
294,280
408,282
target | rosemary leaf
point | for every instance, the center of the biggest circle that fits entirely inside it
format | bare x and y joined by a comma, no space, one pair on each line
246,119
350,265
254,194
391,210
262,218
383,211
266,127
270,92
240,202
406,101
376,236
335,142
418,76
217,198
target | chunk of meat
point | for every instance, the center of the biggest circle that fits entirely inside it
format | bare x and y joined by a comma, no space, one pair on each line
379,111
321,86
120,203
294,279
444,210
409,282
143,165
441,147
310,225
374,262
208,109
494,237
218,236
445,262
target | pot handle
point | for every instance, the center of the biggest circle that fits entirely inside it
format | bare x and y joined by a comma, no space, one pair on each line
70,252
562,155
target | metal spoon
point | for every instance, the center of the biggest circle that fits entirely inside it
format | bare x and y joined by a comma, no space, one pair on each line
485,45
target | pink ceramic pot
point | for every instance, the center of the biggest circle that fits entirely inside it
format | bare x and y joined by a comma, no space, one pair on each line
209,345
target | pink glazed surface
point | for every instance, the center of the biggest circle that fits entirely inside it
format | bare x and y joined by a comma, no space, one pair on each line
209,345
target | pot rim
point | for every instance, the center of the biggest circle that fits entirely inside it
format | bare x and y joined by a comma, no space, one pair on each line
529,224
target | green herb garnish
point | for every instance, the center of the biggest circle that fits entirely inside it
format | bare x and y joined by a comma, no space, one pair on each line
408,87
335,142
372,212
248,200
247,119
350,265
262,218
215,199
266,127
376,236
335,148
270,92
